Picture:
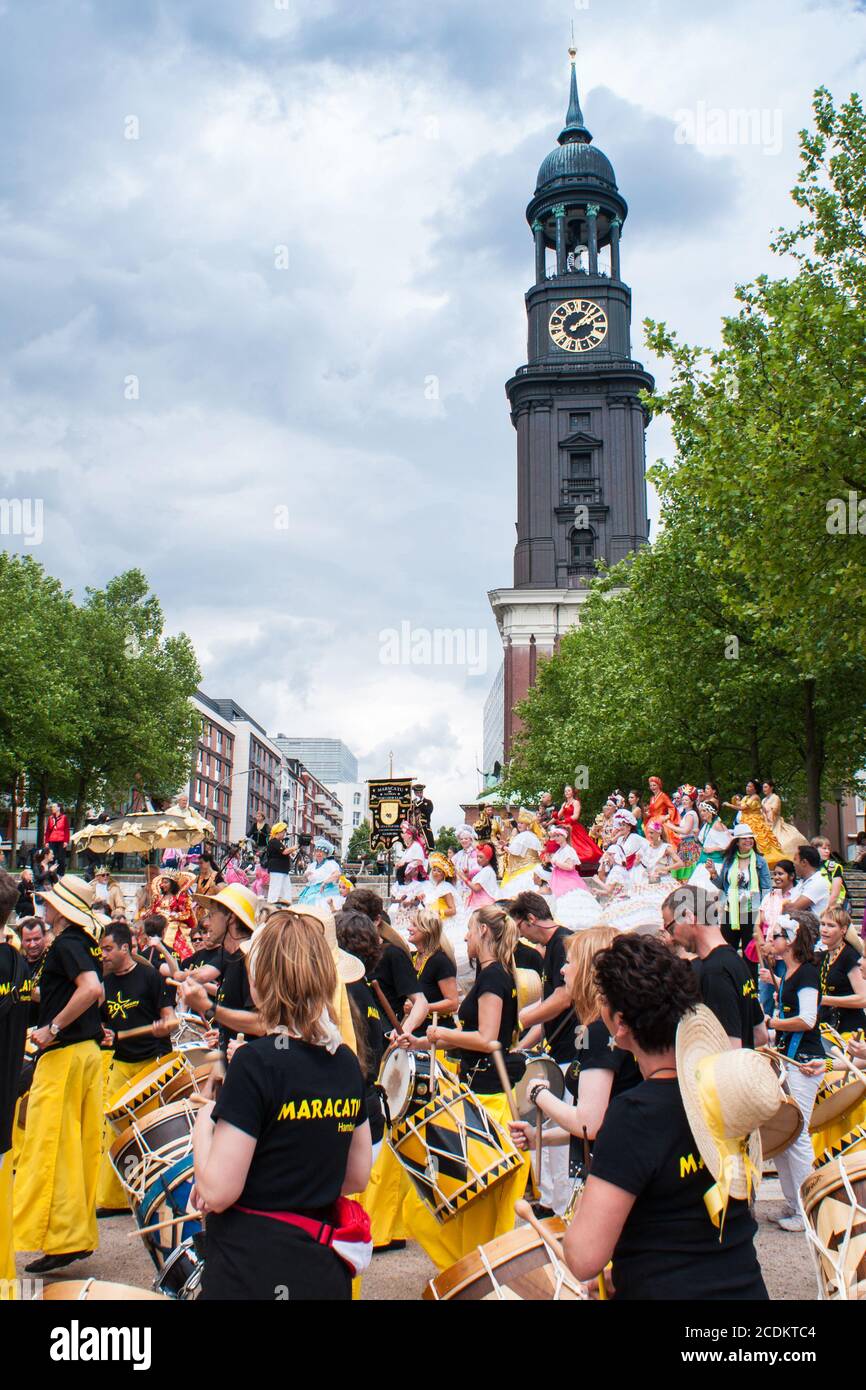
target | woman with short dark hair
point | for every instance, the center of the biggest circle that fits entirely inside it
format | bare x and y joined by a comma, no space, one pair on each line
643,1204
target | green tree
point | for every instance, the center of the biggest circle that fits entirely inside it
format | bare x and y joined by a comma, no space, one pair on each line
359,843
446,839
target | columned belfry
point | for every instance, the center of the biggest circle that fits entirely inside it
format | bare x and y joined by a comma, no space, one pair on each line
581,454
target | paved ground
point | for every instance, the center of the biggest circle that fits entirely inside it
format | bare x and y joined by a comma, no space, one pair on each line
401,1275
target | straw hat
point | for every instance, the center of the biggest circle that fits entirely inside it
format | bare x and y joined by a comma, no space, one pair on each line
728,1094
741,831
73,898
349,968
236,898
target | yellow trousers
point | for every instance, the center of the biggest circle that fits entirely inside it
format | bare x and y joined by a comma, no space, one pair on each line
489,1216
17,1134
382,1199
110,1192
55,1187
7,1245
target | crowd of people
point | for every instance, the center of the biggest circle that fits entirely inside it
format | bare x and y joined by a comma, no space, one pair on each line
626,980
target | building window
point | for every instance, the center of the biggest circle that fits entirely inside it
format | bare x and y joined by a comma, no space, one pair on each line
579,420
357,798
580,465
356,818
219,740
583,549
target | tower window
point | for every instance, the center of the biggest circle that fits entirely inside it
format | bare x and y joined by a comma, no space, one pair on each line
580,465
583,548
579,420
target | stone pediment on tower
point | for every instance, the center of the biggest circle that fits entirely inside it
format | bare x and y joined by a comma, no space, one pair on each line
581,440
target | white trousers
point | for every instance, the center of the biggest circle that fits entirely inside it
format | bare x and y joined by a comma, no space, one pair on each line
555,1183
795,1164
279,888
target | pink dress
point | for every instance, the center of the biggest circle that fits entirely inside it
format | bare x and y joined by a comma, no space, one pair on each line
565,878
485,886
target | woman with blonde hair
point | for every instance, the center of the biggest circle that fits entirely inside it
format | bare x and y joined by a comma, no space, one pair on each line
488,1020
843,989
288,1136
436,969
599,1071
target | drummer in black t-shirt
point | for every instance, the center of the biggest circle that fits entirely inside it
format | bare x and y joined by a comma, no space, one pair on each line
643,1205
843,988
436,970
55,1184
13,1030
555,1014
691,917
136,997
598,1073
34,949
394,974
357,935
230,921
798,1035
288,1137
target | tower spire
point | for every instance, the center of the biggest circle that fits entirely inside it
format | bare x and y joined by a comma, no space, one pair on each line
575,128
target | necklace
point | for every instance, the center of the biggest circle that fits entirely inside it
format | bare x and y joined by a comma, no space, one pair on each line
658,1072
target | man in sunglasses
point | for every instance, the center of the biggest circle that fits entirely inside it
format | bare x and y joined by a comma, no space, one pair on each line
691,918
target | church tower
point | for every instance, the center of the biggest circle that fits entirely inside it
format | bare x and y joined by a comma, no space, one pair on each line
581,452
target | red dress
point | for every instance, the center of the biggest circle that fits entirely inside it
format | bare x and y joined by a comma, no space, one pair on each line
586,849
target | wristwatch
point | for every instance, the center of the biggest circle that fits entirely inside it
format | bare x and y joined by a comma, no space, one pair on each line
54,1029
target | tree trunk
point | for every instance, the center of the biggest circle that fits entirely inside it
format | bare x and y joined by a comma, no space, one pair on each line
79,813
814,760
754,752
42,807
13,825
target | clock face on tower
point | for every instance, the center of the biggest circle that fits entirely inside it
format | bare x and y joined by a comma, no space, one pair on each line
578,325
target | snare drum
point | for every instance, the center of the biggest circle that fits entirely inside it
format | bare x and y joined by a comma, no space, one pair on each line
453,1151
144,1093
540,1066
181,1275
516,1266
151,1144
404,1077
833,1200
189,1082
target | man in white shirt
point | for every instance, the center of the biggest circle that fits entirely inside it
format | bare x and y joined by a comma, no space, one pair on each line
811,892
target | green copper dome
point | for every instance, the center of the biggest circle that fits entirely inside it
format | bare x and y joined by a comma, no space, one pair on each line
577,158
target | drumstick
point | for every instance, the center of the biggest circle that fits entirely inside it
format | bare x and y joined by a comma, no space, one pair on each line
499,1063
164,1225
135,1032
389,1012
525,1212
432,1071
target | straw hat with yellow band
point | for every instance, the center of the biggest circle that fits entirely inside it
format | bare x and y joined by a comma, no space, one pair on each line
73,899
728,1094
442,863
235,898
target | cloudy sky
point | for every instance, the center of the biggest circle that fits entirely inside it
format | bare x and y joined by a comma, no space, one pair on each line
263,266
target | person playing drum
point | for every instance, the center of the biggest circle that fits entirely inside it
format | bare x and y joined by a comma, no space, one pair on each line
843,988
599,1071
136,997
437,975
288,1138
643,1205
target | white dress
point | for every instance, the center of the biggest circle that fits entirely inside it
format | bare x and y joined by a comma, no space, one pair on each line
322,885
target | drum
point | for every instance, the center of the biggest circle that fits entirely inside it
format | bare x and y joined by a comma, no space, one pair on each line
166,1195
453,1151
188,1082
838,1096
540,1066
833,1199
151,1144
404,1077
97,1291
189,1040
144,1093
181,1274
517,1266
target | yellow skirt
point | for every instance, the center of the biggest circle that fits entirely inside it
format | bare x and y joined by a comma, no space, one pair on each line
109,1191
7,1245
383,1197
489,1216
55,1187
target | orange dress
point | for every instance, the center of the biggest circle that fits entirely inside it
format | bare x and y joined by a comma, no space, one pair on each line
660,806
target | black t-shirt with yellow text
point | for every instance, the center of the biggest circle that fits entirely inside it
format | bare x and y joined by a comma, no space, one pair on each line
14,1013
434,970
477,1069
134,1000
558,1032
72,953
669,1247
301,1104
728,990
